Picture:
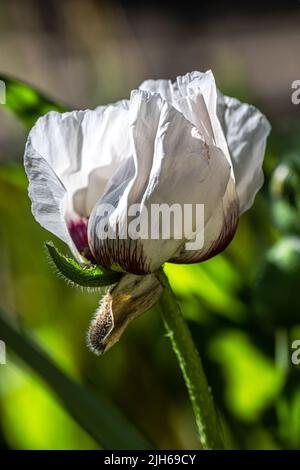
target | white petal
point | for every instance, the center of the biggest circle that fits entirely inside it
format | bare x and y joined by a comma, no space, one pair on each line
165,88
48,196
81,150
172,165
246,130
194,95
241,135
218,231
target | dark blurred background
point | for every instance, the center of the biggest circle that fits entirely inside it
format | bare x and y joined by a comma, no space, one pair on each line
90,52
86,53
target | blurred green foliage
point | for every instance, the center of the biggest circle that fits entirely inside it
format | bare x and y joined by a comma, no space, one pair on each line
241,306
27,103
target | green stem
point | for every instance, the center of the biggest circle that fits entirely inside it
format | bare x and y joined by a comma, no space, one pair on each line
191,367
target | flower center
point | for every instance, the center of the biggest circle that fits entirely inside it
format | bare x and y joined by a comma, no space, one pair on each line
78,231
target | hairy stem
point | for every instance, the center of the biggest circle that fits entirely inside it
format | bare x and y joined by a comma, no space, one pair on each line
191,367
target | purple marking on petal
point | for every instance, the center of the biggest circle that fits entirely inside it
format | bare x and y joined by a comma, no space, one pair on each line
78,231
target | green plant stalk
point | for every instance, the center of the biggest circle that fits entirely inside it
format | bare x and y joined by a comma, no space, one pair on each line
207,421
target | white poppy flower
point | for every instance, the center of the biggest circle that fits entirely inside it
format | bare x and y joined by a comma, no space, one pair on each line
170,143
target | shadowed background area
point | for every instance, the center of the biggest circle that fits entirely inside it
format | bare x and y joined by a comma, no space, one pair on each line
241,306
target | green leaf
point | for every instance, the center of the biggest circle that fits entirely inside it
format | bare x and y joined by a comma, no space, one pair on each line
276,283
96,414
27,103
86,276
252,381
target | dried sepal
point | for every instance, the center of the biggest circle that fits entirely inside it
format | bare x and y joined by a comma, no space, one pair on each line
131,297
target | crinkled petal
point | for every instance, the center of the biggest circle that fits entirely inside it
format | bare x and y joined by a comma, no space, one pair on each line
48,196
81,150
218,232
173,165
131,297
84,149
246,130
165,88
194,95
239,127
